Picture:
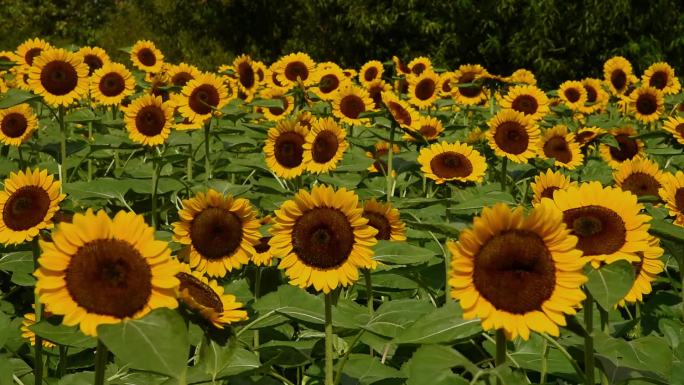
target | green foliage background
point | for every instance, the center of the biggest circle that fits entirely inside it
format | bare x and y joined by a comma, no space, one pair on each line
557,39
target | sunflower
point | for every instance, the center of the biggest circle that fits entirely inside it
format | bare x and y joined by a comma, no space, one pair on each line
628,147
517,273
546,183
295,66
423,89
617,72
675,126
94,57
401,86
428,127
471,94
529,100
275,114
375,90
640,176
284,149
186,125
148,120
419,65
146,57
203,95
28,321
522,76
179,75
246,76
328,81
647,270
350,102
30,49
322,238
573,94
586,135
560,144
513,135
112,83
672,193
101,271
370,71
17,124
59,76
661,76
263,256
647,103
20,78
305,119
219,232
9,56
260,71
207,298
597,98
445,83
385,219
400,67
27,204
459,162
325,145
606,220
272,78
379,155
401,112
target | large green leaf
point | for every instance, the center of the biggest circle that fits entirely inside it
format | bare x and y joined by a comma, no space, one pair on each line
20,261
434,363
401,253
442,325
223,360
393,317
63,335
293,302
368,370
621,360
610,283
16,96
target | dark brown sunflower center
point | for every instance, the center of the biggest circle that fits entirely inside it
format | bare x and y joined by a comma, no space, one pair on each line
618,79
679,199
93,62
680,129
370,74
418,68
585,136
181,78
469,91
296,70
262,246
150,120
572,94
352,106
323,238
25,208
324,147
200,292
216,233
380,223
446,86
375,93
511,137
274,79
329,83
515,272
425,89
428,131
591,94
527,104
400,114
289,149
451,165
204,98
640,184
112,84
278,110
557,147
628,148
147,57
14,125
246,75
548,192
658,80
31,54
109,277
59,77
599,230
647,104
401,86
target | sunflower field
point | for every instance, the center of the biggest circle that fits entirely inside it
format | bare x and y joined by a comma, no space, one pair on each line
305,223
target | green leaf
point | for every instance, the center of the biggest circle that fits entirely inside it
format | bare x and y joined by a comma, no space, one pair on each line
6,371
435,362
393,317
63,335
621,360
401,253
16,96
293,302
222,360
368,370
82,378
81,115
442,325
287,353
267,103
157,342
610,283
20,261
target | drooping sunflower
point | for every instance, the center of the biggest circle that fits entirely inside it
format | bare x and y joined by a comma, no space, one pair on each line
203,95
606,220
384,218
401,86
295,66
379,155
513,135
350,102
146,56
586,135
675,126
370,71
219,231
445,84
275,114
546,183
207,298
401,111
529,100
518,273
17,124
423,89
30,49
27,204
375,90
94,57
263,255
306,119
284,149
179,75
617,72
400,68
573,94
272,78
661,76
325,145
523,76
647,270
419,65
647,103
101,271
148,120
672,193
640,176
328,81
30,320
246,76
9,56
444,162
59,76
260,71
560,144
628,147
470,94
429,127
111,83
322,238
597,98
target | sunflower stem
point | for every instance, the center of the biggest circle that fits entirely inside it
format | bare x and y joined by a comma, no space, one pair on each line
328,340
500,358
190,159
38,348
390,153
504,174
61,367
155,184
544,362
565,354
343,361
369,290
637,316
207,160
101,354
589,339
90,161
62,145
257,293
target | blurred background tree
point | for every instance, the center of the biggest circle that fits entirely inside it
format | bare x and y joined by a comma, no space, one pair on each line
556,39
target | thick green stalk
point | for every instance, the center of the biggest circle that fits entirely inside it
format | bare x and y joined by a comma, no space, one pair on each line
38,347
589,339
328,340
155,184
61,367
369,290
90,161
500,358
207,160
544,361
62,145
504,174
390,156
100,363
257,294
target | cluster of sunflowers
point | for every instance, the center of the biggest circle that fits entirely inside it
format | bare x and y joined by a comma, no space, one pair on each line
518,269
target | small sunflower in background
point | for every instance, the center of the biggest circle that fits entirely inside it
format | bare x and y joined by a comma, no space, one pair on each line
350,102
220,232
647,270
379,155
672,193
423,89
445,84
10,57
617,72
523,76
245,74
148,120
275,114
546,183
640,176
29,320
401,112
419,65
263,256
597,98
400,67
647,103
59,76
513,135
322,238
94,57
295,66
627,148
375,90
675,126
529,100
428,127
559,144
586,135
384,218
284,149
271,78
146,57
662,77
446,162
573,94
201,96
328,81
471,94
370,72
29,50
180,74
17,124
325,146
111,84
